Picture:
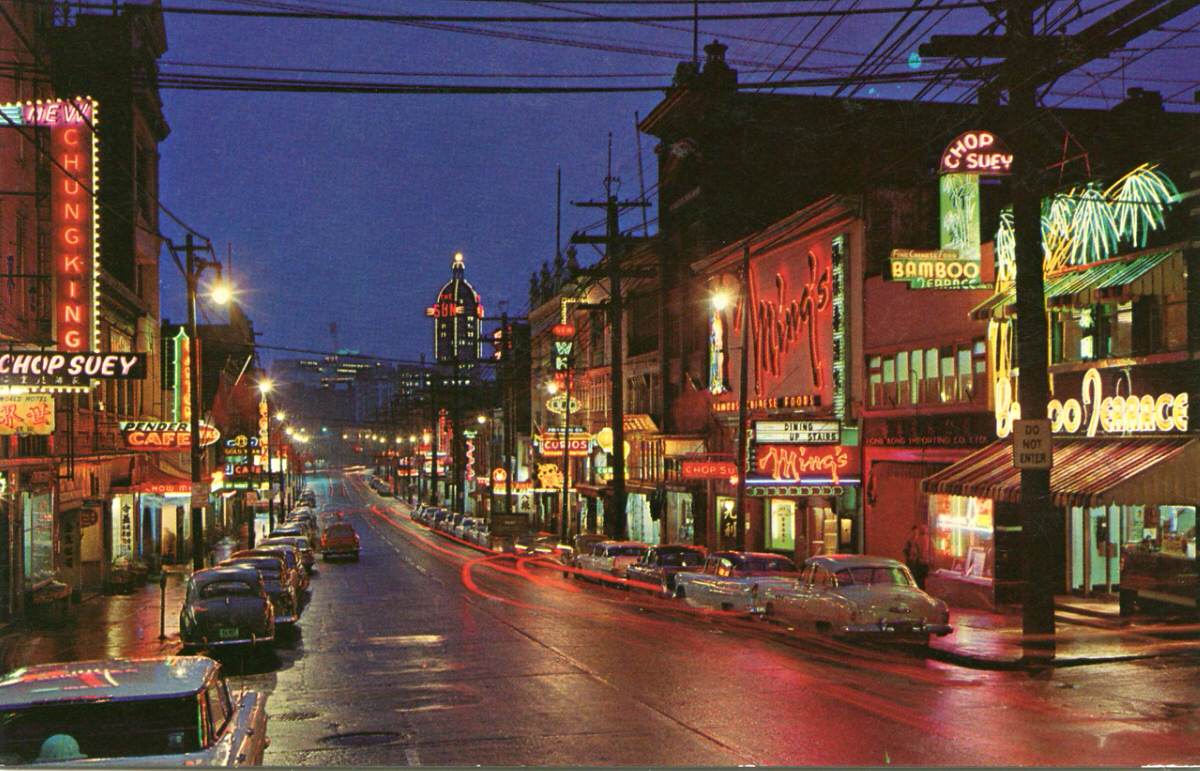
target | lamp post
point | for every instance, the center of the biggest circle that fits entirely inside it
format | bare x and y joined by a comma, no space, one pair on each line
221,295
566,455
720,302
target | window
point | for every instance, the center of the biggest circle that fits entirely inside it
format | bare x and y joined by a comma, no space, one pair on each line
949,390
218,707
916,375
966,383
781,531
889,381
931,390
902,380
1174,321
875,380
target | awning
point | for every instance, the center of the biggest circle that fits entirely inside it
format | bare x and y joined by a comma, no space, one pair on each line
1116,280
1087,472
164,479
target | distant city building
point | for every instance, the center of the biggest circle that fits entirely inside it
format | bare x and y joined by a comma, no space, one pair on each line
456,317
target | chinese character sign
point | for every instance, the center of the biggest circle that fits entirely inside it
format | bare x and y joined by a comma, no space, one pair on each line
26,414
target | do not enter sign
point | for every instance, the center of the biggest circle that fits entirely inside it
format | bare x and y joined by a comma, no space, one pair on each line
1031,444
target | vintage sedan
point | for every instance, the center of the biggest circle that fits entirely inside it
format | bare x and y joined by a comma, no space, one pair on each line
164,711
295,562
660,564
851,595
283,595
226,607
611,557
302,544
339,540
292,573
733,580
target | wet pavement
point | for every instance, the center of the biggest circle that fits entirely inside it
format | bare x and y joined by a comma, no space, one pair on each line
428,652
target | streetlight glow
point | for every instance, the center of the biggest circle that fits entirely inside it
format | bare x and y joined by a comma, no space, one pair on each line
281,416
481,419
721,300
552,388
265,386
222,293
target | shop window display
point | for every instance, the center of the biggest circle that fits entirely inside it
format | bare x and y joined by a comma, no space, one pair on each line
962,535
781,535
38,513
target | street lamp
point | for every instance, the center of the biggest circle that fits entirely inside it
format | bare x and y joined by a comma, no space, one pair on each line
265,387
221,294
721,300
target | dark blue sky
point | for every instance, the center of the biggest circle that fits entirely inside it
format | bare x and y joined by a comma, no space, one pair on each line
348,208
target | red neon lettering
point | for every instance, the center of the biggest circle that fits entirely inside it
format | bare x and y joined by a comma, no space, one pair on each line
71,162
781,462
778,325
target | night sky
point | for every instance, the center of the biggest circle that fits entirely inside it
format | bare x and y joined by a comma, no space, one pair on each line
348,208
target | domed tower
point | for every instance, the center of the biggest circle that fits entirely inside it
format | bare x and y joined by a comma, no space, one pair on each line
456,316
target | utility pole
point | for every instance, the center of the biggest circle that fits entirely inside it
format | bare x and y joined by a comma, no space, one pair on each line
433,441
743,437
1030,61
614,246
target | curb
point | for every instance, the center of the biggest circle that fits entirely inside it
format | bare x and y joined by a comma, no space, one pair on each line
1024,665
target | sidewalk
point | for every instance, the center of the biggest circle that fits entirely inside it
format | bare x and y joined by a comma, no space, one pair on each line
993,640
99,627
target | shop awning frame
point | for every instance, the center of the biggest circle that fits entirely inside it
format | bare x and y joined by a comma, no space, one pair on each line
1156,272
1154,471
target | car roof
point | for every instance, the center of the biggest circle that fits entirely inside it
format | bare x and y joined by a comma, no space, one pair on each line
282,540
678,547
257,561
626,543
834,561
225,573
115,679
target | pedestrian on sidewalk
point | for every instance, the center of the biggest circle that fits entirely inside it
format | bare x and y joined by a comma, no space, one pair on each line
916,554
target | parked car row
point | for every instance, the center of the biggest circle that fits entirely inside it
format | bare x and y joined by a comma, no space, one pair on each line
839,595
380,485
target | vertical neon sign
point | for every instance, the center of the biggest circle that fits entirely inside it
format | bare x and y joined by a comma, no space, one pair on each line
74,224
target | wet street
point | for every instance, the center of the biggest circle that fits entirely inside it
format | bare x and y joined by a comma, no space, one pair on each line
427,652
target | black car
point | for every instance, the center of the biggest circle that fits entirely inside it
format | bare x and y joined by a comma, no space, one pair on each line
660,564
225,607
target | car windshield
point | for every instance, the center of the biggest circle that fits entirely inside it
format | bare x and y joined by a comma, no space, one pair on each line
767,565
339,531
681,558
877,575
110,729
226,589
628,551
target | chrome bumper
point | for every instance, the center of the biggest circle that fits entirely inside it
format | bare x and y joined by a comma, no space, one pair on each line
286,619
897,629
252,640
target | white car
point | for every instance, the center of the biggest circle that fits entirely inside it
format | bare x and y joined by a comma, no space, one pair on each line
734,580
611,557
850,595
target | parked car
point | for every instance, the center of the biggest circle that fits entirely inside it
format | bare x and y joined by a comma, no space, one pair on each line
660,564
339,540
1154,580
308,519
612,557
733,580
174,710
481,534
847,595
416,511
290,528
582,544
464,527
226,607
291,575
291,556
302,544
436,517
283,596
448,523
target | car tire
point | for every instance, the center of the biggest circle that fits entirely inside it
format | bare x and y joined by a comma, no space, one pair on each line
680,594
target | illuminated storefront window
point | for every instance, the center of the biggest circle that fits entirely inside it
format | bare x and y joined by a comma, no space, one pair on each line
38,514
962,534
781,531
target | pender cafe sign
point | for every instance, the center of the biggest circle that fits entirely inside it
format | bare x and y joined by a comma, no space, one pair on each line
164,436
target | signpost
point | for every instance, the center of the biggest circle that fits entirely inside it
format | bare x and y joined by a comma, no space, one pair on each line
1031,444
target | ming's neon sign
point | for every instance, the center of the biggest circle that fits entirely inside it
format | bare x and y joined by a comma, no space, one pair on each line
785,320
797,461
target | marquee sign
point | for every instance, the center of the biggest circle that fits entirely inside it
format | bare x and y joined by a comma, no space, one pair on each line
26,414
797,431
552,444
976,152
804,464
64,368
241,460
164,436
558,404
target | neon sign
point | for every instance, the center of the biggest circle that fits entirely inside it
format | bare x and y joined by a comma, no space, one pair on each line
164,435
716,354
979,152
811,464
26,414
1095,413
707,469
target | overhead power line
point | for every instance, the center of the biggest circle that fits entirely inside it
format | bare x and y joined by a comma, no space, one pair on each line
557,19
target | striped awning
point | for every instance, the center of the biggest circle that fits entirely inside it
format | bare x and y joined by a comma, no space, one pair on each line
1153,471
1115,280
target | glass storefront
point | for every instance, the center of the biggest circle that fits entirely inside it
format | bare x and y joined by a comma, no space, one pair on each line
962,531
679,508
37,510
641,526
